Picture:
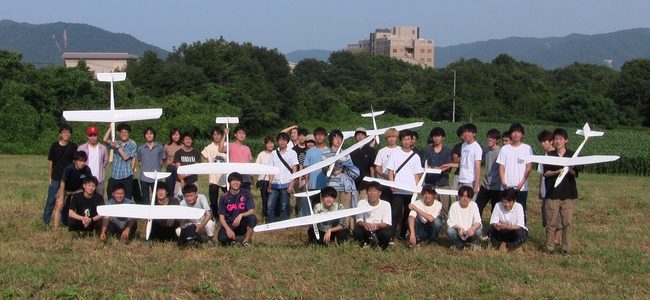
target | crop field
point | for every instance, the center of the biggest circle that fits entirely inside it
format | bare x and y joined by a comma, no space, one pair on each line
610,257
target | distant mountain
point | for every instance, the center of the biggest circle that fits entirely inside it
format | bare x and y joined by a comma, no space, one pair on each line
556,52
43,44
298,55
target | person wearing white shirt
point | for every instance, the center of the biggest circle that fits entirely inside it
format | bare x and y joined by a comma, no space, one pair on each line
374,227
424,219
404,166
464,222
512,170
507,223
470,160
281,186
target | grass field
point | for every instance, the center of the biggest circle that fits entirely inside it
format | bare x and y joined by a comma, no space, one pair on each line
610,258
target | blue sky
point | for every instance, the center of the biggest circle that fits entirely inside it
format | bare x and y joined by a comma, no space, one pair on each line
331,25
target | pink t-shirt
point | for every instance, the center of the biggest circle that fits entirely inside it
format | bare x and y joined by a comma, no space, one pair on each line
240,153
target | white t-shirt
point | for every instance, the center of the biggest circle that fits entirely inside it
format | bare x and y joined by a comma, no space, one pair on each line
93,160
263,159
513,217
514,168
379,214
212,154
290,157
470,153
405,175
433,210
465,217
382,158
201,203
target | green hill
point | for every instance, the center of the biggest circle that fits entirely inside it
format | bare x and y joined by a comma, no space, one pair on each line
43,44
556,52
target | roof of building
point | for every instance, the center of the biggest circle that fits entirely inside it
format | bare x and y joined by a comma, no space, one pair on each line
98,55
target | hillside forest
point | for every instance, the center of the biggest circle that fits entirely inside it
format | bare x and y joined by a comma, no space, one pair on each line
202,80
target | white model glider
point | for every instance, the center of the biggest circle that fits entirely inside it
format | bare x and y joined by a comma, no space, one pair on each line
347,134
113,115
567,162
150,212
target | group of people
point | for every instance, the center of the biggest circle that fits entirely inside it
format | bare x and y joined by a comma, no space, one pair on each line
77,181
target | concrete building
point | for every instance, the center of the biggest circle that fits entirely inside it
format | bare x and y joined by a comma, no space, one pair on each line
402,42
99,62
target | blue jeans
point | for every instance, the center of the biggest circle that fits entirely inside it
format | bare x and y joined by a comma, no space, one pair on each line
452,233
284,198
52,191
145,187
429,231
171,180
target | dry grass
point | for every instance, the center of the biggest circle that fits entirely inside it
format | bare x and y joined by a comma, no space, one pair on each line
610,257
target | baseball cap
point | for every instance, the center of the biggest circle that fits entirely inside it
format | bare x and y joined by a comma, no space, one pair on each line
429,187
310,138
92,130
360,129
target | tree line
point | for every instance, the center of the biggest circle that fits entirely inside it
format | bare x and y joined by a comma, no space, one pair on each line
202,80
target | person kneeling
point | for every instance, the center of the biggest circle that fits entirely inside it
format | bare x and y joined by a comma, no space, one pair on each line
374,227
203,225
116,226
236,213
424,220
507,222
464,223
333,229
164,229
83,217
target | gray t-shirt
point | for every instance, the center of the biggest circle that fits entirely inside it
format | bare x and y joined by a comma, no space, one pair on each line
491,181
201,203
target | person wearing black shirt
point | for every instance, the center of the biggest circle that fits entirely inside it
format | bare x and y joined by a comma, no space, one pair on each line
83,209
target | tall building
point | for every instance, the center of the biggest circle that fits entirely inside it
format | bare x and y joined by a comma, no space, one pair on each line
400,42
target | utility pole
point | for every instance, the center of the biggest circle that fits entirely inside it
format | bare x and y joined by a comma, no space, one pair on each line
453,116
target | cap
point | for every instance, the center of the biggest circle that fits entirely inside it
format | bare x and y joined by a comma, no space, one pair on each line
360,129
429,187
310,138
92,130
429,140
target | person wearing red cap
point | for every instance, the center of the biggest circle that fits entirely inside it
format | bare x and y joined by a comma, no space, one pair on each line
97,157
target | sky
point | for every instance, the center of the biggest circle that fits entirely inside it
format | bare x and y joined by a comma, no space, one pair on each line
331,25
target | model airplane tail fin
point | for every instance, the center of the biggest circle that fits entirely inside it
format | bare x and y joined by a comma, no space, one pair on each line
587,132
160,175
373,114
121,76
227,120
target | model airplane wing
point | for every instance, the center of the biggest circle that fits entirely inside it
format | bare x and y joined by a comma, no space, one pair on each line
347,134
331,160
408,187
569,161
118,115
309,220
227,168
139,211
